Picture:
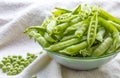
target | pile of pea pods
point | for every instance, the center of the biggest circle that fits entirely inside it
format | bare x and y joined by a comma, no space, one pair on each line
86,31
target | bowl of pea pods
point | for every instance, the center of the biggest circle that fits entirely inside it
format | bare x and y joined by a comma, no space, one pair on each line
82,38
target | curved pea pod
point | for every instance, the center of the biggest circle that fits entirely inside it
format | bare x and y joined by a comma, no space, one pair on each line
79,32
101,49
100,34
61,45
75,20
112,29
60,28
38,37
107,16
49,38
74,49
92,30
58,11
40,29
51,25
72,28
115,24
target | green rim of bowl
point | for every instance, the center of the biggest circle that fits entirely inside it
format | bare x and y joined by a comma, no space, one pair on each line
62,55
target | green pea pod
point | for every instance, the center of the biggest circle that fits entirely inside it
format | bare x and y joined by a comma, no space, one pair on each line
101,49
77,10
61,45
72,28
49,38
79,32
74,49
50,26
92,30
58,11
45,22
60,28
40,29
100,34
115,24
67,37
107,16
75,20
66,17
112,29
39,38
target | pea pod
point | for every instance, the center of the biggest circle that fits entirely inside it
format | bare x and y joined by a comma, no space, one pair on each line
49,38
77,10
103,47
60,28
107,16
92,30
112,29
74,49
58,11
115,24
79,33
40,29
75,20
66,17
68,37
50,26
72,28
61,45
39,38
100,34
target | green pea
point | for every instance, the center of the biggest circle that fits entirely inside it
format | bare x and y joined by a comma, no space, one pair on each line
4,69
19,70
5,58
8,67
1,65
28,57
8,60
14,59
28,54
8,64
9,73
22,66
22,60
14,72
16,65
14,56
3,61
22,63
34,76
31,59
19,57
18,61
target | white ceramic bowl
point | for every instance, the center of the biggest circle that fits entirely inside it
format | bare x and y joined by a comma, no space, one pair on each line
81,63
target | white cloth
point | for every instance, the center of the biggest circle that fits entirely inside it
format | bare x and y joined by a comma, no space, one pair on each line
15,16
